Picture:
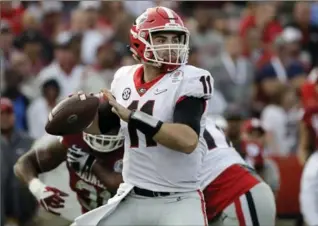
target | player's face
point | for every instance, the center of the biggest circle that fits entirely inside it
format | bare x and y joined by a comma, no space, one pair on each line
165,38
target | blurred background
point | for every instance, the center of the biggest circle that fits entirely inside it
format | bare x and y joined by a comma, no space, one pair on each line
263,57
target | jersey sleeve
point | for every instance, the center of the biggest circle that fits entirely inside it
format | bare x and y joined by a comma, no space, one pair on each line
115,80
199,84
118,74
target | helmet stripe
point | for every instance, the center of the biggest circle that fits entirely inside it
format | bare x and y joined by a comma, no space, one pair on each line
170,15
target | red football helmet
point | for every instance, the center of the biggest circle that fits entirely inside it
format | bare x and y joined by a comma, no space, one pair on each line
159,19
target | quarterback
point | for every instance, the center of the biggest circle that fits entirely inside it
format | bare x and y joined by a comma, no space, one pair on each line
162,106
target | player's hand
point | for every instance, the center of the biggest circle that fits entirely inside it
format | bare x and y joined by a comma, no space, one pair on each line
52,199
118,109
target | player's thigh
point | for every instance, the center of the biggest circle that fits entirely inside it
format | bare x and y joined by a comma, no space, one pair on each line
256,207
187,209
125,214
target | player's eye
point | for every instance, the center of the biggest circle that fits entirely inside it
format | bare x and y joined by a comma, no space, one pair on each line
176,40
160,40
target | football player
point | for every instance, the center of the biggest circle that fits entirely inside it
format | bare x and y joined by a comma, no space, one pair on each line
234,194
309,182
161,103
94,163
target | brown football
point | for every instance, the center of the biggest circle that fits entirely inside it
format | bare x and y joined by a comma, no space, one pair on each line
72,115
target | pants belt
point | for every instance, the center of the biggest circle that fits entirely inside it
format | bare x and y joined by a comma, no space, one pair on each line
149,193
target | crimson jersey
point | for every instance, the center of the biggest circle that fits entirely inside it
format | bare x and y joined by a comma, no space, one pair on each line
91,193
310,118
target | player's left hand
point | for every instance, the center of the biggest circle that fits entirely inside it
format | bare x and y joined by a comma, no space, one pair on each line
118,109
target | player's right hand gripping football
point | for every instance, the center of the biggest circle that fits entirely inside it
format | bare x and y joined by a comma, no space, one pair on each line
50,198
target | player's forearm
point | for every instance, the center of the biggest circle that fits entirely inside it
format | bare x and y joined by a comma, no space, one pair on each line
26,168
109,179
178,137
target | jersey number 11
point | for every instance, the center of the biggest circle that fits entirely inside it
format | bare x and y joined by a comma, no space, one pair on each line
147,108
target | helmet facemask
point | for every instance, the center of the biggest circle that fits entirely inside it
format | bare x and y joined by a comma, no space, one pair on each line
174,54
103,143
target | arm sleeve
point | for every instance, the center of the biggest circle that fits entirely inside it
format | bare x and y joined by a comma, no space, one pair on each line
189,112
107,120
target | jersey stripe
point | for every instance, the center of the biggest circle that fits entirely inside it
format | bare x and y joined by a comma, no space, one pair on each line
215,138
209,140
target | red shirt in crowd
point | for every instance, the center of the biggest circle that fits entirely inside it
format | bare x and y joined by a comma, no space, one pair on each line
270,32
309,95
310,118
14,17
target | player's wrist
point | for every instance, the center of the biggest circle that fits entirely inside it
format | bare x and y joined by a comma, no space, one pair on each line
145,123
36,187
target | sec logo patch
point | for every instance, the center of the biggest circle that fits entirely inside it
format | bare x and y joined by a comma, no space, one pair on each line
126,93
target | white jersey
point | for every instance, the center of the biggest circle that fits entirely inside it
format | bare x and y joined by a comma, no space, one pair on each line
148,164
309,190
220,155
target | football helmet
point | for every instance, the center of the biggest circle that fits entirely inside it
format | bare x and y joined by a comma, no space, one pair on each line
154,20
104,143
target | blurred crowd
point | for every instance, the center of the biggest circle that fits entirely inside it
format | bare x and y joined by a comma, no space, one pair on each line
262,55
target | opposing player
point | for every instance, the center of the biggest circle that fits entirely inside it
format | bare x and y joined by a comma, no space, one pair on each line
234,194
161,103
93,179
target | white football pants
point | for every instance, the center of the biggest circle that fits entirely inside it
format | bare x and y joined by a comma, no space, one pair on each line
255,208
178,209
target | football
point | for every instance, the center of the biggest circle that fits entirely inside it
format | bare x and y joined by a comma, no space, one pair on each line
72,115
